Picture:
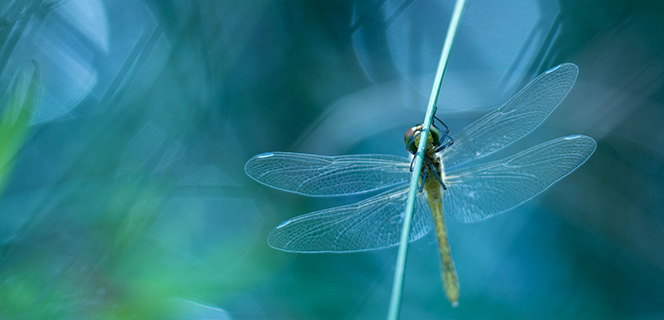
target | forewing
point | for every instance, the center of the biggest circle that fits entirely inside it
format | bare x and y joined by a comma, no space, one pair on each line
519,116
315,175
370,224
477,193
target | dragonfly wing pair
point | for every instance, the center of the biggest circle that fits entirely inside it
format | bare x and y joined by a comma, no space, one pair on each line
479,192
520,115
473,192
370,224
322,176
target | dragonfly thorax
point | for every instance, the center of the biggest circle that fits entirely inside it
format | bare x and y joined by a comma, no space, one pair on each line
411,138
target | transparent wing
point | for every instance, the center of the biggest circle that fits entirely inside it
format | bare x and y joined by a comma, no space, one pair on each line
519,116
315,175
479,192
370,224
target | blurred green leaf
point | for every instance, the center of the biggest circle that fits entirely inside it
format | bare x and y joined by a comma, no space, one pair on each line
15,120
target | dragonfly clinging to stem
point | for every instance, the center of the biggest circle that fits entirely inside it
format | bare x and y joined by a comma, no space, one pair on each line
467,192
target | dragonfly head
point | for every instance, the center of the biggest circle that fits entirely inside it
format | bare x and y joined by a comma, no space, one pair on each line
411,138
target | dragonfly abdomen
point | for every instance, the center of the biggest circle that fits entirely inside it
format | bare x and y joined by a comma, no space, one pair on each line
450,280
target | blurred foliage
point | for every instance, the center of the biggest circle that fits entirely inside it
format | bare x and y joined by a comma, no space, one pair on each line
122,151
15,121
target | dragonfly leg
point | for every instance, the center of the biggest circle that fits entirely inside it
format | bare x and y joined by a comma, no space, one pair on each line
424,178
442,146
447,129
412,163
436,174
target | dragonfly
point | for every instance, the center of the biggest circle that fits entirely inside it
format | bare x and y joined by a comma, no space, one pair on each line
450,182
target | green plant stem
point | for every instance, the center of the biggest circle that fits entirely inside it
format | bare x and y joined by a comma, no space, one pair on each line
397,287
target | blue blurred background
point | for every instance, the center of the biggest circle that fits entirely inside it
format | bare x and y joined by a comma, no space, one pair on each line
125,126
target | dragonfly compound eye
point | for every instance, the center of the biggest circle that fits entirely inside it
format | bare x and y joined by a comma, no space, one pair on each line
411,138
434,135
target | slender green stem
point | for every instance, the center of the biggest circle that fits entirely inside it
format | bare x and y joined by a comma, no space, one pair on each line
397,287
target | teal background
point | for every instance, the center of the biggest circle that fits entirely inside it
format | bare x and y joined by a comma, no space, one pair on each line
123,194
